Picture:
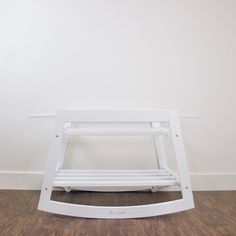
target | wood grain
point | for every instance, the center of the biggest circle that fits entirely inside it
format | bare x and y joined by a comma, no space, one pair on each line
215,214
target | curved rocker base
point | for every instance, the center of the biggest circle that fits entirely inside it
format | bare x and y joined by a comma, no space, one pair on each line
125,212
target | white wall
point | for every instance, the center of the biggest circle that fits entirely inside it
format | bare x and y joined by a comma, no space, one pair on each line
140,54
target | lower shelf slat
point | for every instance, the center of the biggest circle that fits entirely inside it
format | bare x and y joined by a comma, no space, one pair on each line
103,178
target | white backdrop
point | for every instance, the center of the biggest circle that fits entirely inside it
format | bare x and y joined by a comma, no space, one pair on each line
131,54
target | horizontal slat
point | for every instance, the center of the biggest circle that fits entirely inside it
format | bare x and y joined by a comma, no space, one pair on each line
111,171
115,131
90,178
53,115
114,178
74,172
111,174
81,183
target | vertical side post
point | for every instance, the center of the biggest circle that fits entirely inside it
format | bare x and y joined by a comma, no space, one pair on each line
180,155
159,147
53,160
65,142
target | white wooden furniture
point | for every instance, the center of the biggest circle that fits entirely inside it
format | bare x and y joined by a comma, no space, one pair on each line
115,180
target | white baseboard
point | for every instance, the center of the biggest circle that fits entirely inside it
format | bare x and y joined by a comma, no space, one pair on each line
28,180
213,181
32,180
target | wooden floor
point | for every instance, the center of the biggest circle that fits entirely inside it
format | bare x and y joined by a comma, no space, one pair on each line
215,214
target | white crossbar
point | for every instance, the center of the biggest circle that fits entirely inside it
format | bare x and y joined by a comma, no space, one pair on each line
53,115
116,131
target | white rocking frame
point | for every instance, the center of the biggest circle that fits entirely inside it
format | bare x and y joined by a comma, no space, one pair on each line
116,180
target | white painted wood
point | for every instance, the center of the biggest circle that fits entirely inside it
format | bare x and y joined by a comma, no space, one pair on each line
53,115
159,148
124,212
117,179
54,158
65,141
180,155
55,176
112,171
112,188
116,131
113,183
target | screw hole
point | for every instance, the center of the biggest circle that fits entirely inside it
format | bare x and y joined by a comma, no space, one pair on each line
57,136
176,135
46,188
186,187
